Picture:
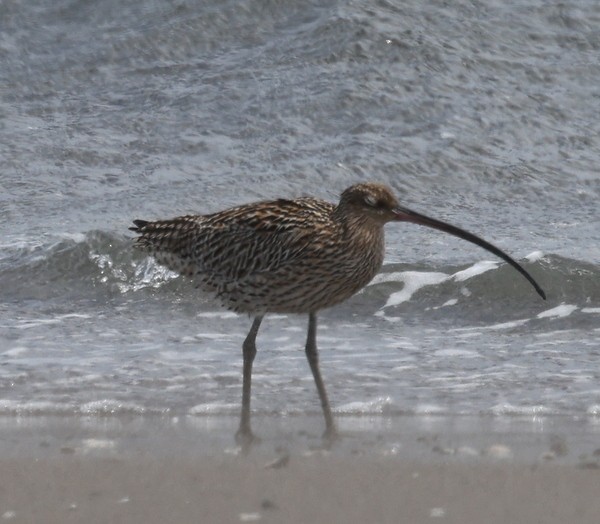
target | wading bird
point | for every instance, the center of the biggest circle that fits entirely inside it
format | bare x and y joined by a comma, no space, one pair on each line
288,256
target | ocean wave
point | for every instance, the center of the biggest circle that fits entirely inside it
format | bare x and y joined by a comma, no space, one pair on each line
380,407
96,263
99,264
104,407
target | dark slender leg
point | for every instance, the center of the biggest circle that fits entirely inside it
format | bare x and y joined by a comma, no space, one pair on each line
313,361
244,433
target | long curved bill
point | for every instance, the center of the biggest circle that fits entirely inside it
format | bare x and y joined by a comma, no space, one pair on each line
404,214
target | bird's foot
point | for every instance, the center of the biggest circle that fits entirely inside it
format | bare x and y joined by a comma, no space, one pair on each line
245,438
330,436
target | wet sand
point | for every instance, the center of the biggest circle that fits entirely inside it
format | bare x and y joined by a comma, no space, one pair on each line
150,471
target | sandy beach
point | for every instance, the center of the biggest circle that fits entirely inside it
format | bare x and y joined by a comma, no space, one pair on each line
313,489
57,470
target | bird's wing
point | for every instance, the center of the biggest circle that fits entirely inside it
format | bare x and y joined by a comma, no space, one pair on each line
234,243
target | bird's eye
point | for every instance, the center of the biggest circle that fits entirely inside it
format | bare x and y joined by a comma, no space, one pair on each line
371,201
374,202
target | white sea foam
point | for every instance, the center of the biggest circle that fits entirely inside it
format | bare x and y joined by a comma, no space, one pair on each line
594,410
451,302
511,409
564,310
428,409
148,273
19,243
535,256
413,281
375,406
476,269
218,314
73,315
26,324
462,353
507,325
78,238
214,408
15,351
110,407
214,336
416,280
380,278
12,407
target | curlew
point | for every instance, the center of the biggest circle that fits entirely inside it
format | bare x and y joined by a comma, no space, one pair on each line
288,256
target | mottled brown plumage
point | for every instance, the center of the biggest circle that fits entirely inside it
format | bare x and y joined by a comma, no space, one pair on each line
287,256
280,256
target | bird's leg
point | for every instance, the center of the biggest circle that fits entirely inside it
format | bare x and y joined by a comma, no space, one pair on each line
244,433
313,360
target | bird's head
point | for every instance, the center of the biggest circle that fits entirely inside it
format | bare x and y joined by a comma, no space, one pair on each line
376,204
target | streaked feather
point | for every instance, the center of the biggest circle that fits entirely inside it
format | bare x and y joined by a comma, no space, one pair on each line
292,256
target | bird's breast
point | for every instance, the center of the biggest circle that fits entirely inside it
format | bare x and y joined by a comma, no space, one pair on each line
329,272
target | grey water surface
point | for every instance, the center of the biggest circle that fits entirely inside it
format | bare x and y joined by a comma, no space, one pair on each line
484,113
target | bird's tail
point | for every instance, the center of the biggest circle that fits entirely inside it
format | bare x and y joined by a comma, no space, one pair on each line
139,225
171,242
173,230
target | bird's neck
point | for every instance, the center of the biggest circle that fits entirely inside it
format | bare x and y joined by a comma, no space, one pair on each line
361,231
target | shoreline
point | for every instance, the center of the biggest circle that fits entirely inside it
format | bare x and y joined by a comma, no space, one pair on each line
151,470
525,439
